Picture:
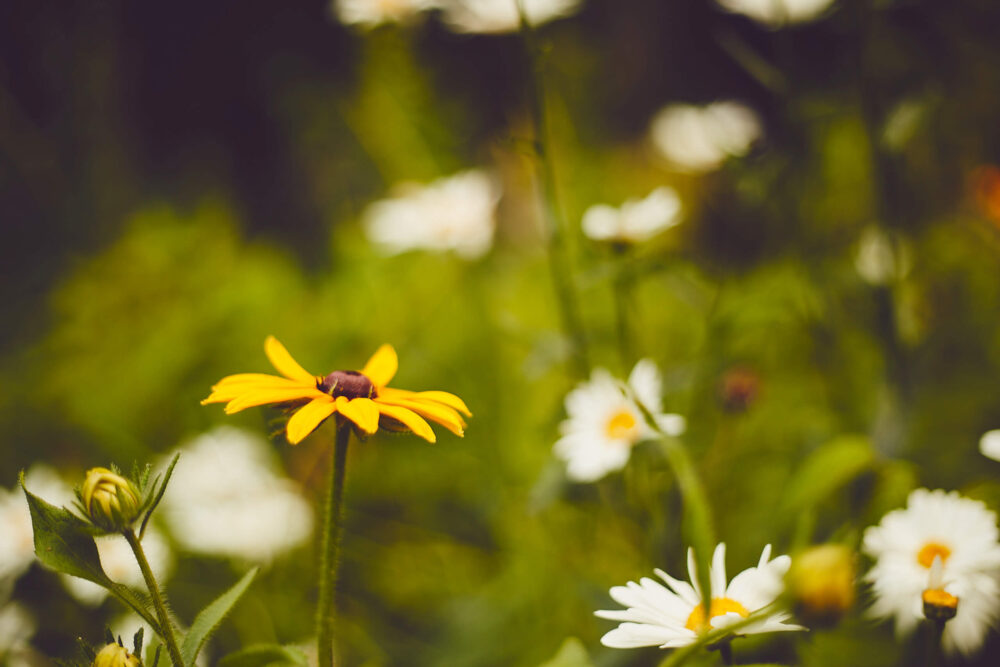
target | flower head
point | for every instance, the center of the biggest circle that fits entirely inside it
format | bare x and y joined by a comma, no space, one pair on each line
699,139
370,13
495,16
450,214
989,444
111,501
115,655
945,530
674,615
637,220
361,397
821,583
605,421
776,13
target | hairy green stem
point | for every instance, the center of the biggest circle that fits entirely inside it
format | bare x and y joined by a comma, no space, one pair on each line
330,547
166,627
559,265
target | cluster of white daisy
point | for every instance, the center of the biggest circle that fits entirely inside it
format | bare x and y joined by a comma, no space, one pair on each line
464,16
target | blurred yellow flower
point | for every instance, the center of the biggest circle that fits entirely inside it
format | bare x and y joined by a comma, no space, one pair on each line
359,396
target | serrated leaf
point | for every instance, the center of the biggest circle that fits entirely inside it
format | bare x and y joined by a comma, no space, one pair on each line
211,616
572,653
63,541
827,469
158,492
260,655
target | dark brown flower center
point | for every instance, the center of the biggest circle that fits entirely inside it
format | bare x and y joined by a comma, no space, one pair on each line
350,384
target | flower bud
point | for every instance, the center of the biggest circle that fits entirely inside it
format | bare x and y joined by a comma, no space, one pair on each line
111,501
939,605
821,582
114,655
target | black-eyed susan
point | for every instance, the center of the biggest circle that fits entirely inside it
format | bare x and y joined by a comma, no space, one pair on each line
362,397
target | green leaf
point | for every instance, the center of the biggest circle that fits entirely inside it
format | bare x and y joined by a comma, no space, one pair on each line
825,470
572,653
261,655
63,541
211,616
158,493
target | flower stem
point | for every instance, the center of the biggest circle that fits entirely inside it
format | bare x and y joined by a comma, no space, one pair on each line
623,287
934,653
559,265
330,545
154,592
726,651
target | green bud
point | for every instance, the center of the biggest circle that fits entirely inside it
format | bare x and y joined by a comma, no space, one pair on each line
114,655
111,501
821,583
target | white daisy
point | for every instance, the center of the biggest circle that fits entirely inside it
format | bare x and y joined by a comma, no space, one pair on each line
989,444
776,13
370,13
226,498
119,564
674,615
605,421
959,532
882,258
637,220
493,16
700,139
455,213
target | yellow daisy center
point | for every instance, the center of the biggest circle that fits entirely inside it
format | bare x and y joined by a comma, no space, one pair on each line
697,622
939,598
622,426
933,550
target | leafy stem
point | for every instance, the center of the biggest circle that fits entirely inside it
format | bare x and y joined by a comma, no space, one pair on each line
166,627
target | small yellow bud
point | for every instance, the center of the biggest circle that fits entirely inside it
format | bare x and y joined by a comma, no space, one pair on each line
111,501
821,582
114,655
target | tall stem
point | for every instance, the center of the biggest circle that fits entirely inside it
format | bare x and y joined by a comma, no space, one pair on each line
559,265
154,592
623,284
934,657
332,528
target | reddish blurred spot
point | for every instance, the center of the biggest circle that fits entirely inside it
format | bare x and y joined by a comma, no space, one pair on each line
985,183
738,389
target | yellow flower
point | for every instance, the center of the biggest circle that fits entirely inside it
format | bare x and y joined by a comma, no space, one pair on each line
114,655
360,396
111,501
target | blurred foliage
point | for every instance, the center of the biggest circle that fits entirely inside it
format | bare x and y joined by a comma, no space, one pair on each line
154,247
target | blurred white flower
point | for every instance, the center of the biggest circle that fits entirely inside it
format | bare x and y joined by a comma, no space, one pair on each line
959,533
370,13
637,220
776,13
17,544
16,628
454,213
226,499
882,258
989,444
119,564
674,615
492,16
605,421
698,139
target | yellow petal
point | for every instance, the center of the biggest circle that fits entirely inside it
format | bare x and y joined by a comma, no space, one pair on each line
257,397
361,411
235,386
283,361
382,366
436,412
308,418
410,419
451,400
261,378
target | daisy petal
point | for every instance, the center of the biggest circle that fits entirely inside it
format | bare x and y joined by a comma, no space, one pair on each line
255,397
410,419
382,366
284,363
361,411
443,397
432,410
308,418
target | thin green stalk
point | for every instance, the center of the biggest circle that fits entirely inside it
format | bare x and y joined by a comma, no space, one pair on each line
725,649
559,265
623,287
166,626
330,547
934,654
